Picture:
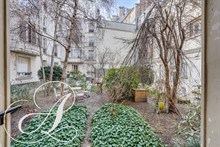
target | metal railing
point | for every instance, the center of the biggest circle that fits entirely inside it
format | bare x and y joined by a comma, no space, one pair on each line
24,74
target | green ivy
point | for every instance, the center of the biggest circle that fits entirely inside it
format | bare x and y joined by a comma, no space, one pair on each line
118,125
76,117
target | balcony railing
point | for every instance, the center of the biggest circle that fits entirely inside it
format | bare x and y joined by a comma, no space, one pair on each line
24,74
91,44
76,60
24,48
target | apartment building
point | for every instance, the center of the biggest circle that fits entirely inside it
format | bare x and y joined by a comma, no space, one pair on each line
27,46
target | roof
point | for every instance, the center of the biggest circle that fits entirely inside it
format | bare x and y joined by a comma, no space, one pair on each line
120,26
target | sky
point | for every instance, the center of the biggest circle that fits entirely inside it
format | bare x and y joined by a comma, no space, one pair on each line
114,10
126,3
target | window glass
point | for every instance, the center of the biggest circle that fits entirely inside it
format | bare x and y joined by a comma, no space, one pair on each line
23,64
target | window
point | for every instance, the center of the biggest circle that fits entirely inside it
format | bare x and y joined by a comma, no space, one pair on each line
196,28
55,51
44,29
75,67
183,91
23,31
60,27
98,11
45,45
184,70
31,34
45,62
40,40
190,30
91,55
44,21
23,67
91,41
91,27
75,53
45,6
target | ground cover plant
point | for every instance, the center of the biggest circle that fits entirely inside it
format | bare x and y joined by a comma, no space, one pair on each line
70,131
189,128
21,91
119,125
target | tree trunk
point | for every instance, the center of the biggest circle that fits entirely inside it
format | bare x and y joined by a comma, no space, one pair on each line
175,84
171,100
42,64
68,49
53,50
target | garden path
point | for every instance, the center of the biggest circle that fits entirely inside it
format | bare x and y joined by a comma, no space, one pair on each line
93,103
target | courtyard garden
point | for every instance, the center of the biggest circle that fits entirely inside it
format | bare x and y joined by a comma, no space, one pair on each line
111,118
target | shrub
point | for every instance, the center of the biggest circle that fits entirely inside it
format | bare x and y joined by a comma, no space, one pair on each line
23,91
119,125
125,79
57,73
76,78
146,75
76,117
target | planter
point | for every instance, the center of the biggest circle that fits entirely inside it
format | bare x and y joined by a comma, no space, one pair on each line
140,95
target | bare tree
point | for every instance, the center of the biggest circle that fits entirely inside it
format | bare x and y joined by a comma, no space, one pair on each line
55,14
71,12
105,58
162,34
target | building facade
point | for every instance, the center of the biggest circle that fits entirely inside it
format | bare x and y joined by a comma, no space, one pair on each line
29,50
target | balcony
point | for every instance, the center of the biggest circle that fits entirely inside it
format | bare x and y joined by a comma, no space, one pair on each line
75,60
90,60
25,48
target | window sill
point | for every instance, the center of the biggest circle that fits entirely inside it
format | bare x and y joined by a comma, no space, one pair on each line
24,78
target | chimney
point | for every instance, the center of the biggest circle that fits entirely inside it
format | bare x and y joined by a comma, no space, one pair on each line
121,12
138,13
